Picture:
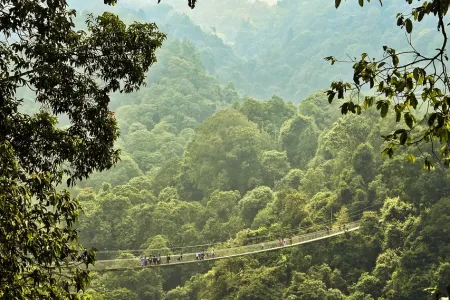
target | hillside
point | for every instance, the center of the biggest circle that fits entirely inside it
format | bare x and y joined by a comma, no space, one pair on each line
202,164
230,139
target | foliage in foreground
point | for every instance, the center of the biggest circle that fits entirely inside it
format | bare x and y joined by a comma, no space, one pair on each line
71,73
402,78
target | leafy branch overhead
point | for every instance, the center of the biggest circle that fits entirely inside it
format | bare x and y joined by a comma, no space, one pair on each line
191,3
412,85
70,73
360,2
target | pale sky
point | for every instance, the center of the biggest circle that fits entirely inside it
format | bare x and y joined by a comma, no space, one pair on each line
270,2
141,3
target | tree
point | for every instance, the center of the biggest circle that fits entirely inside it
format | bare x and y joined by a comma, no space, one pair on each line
370,285
71,73
254,201
275,165
263,284
122,294
364,163
401,78
298,137
289,205
303,287
342,217
386,264
222,204
115,222
223,153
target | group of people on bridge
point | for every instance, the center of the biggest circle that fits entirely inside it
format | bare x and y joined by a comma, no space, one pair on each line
201,255
343,227
283,242
156,260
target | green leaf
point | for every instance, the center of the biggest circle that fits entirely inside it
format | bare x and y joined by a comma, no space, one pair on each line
341,93
331,95
403,138
409,25
409,83
337,3
351,107
409,119
344,108
368,101
432,119
428,165
413,100
383,106
361,3
416,74
380,86
384,110
388,151
443,136
395,60
421,15
398,116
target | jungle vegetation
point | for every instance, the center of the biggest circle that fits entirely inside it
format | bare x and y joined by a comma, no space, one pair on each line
215,126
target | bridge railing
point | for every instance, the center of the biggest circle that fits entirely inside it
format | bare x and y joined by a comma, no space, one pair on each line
225,252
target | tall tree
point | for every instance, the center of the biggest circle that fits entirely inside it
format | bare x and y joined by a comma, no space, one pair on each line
223,153
71,73
403,77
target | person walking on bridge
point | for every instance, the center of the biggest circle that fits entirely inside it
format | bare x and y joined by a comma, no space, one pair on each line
168,258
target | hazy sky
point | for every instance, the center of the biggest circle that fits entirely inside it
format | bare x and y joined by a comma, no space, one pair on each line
143,3
271,2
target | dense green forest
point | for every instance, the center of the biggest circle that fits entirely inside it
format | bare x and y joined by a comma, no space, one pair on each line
203,163
267,50
233,138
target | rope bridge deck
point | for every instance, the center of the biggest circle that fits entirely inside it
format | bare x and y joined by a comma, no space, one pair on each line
224,253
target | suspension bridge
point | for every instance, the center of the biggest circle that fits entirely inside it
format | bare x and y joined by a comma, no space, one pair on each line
223,253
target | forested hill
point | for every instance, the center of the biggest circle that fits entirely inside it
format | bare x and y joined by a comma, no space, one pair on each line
214,150
278,50
213,130
201,164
